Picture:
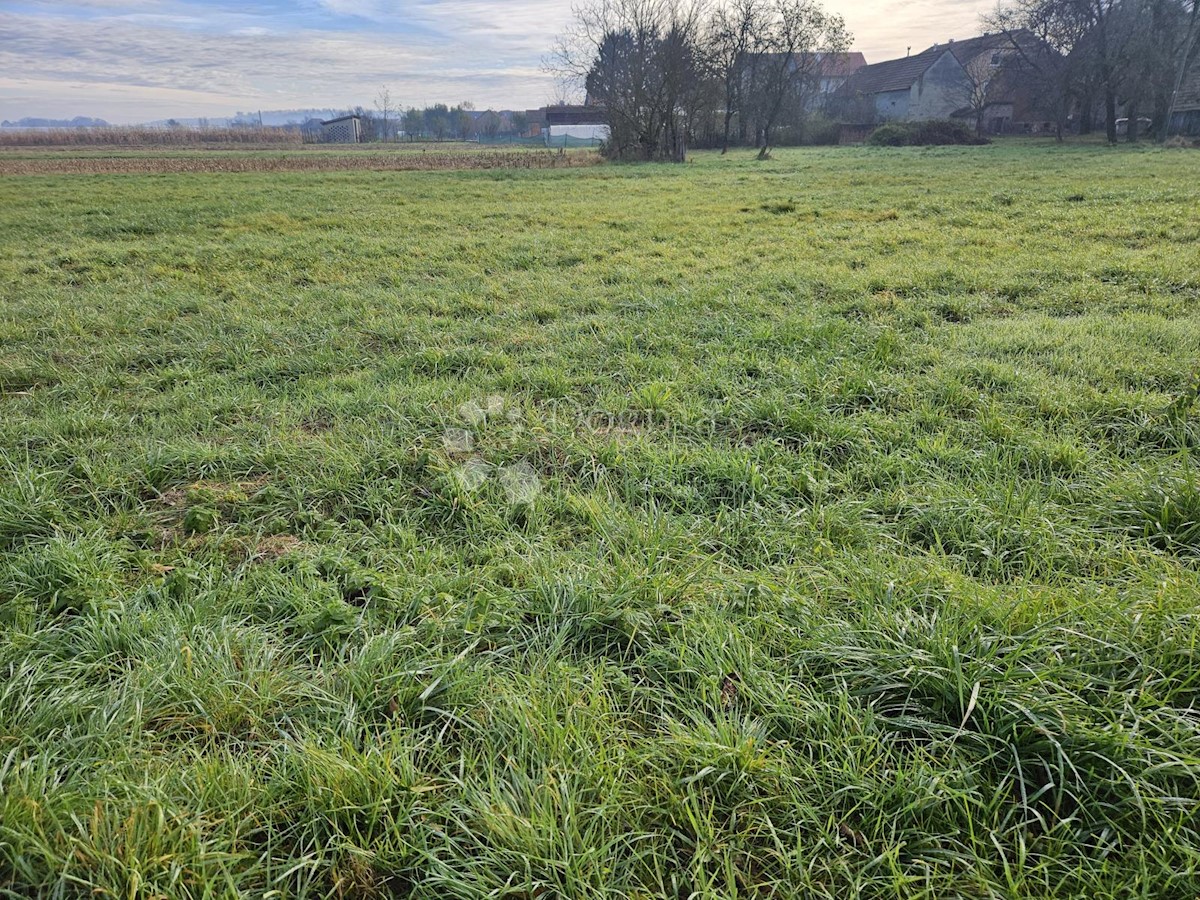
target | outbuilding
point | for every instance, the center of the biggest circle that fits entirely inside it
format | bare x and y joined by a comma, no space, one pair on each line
342,130
1186,120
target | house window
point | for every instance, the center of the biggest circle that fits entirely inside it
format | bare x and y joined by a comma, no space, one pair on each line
997,59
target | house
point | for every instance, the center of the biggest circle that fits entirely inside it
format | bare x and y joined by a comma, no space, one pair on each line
930,85
984,80
342,130
1186,120
535,120
1005,95
824,73
835,69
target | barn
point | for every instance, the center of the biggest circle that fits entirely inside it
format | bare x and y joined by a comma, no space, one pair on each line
342,130
568,124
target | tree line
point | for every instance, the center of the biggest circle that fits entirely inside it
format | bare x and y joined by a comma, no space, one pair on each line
387,120
670,74
1110,55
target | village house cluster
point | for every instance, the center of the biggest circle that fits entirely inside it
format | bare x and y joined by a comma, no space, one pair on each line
1008,82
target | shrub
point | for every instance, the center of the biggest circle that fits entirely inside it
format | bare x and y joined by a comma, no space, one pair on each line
817,130
890,136
821,131
924,134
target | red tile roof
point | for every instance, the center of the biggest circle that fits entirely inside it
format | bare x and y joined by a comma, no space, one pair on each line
841,65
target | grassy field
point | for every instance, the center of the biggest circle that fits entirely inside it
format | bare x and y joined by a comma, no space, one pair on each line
824,527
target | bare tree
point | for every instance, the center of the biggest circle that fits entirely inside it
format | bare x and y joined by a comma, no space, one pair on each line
386,108
1161,42
1173,42
681,60
732,32
640,61
489,125
976,90
1094,36
788,52
1043,37
565,93
1105,57
661,68
1186,59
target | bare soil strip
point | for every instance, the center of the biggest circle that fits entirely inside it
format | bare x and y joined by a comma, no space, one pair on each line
403,162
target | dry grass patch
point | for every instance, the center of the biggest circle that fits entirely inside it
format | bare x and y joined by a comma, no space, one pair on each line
299,161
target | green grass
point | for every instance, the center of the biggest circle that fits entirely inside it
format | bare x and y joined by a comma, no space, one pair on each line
824,527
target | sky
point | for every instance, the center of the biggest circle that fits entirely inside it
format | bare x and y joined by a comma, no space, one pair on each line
140,60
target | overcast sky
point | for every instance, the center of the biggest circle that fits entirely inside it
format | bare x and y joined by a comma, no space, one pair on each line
138,60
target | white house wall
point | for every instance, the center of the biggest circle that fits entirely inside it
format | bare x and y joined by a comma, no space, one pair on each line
943,89
891,106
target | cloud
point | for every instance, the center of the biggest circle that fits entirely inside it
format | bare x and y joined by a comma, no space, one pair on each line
178,56
122,5
885,29
376,10
251,61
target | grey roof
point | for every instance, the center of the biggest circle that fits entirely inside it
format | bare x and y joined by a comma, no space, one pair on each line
901,74
340,119
1189,91
893,75
968,50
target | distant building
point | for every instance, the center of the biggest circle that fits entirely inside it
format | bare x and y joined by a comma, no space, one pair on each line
985,79
535,120
572,115
824,75
569,124
342,130
835,70
929,85
1186,120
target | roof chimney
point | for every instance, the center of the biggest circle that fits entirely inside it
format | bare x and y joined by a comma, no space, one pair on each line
909,53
